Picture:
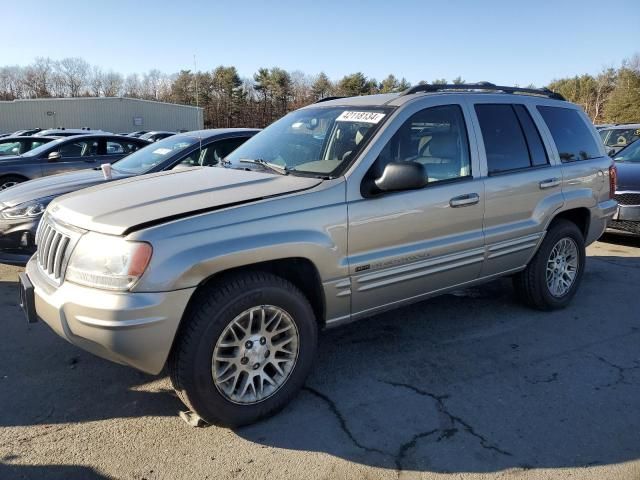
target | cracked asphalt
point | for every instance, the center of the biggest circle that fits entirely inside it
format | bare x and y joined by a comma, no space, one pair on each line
469,385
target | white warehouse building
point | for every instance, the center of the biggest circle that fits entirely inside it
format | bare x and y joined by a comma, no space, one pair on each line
111,114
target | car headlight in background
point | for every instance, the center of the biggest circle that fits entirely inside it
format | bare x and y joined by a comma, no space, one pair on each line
108,262
30,209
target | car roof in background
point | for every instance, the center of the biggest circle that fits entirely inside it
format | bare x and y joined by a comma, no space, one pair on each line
214,132
622,126
26,137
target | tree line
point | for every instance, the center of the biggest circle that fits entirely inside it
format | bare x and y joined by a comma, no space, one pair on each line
230,100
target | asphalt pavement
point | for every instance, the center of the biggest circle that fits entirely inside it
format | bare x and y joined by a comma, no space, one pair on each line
469,385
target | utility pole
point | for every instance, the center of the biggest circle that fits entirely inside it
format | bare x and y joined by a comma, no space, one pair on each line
195,70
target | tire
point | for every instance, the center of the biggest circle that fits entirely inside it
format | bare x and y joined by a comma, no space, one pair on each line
531,285
10,181
214,320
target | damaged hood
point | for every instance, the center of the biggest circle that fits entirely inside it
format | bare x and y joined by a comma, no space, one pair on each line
118,207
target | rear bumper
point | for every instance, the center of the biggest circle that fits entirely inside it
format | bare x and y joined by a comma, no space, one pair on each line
627,212
600,216
135,329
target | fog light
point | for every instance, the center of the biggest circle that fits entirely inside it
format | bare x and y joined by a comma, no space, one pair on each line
25,240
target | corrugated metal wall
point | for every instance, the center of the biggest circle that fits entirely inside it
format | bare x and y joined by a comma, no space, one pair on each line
112,114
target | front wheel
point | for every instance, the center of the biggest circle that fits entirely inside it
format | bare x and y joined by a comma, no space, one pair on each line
244,349
552,277
10,181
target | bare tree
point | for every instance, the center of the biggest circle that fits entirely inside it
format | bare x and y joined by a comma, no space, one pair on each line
75,74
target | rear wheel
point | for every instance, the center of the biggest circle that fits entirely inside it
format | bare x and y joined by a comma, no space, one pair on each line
10,181
244,350
552,277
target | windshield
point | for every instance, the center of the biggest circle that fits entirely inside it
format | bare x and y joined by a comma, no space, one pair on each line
320,140
43,148
621,137
629,154
148,157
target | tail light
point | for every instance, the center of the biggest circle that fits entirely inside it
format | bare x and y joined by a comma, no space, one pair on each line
613,179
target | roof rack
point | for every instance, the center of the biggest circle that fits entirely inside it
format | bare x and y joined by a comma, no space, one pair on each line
326,99
545,92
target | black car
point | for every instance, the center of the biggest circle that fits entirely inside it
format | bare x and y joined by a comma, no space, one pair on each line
65,154
627,217
22,206
12,145
156,135
26,133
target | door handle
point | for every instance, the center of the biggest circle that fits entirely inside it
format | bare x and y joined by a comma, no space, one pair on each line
464,200
549,183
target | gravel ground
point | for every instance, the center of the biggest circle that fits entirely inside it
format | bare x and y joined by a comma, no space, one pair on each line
470,385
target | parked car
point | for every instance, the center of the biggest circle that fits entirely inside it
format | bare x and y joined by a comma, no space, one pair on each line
65,154
26,133
68,132
335,212
155,136
137,134
616,137
19,145
22,206
627,216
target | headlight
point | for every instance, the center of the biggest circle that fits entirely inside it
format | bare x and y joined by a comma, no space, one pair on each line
30,209
108,262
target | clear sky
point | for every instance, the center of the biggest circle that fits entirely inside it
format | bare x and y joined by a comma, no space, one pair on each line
508,42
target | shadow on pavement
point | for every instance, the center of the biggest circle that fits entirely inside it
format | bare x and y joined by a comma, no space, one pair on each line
466,382
50,472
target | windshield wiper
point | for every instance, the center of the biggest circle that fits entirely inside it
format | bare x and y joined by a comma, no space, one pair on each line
266,165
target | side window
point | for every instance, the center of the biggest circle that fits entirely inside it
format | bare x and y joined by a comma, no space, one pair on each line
10,148
36,144
191,160
79,149
437,138
570,133
504,141
121,147
537,151
218,150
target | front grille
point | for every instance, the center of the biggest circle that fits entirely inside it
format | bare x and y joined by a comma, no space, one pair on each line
54,248
628,198
625,225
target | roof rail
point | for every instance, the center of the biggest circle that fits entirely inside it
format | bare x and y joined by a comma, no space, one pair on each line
326,99
545,92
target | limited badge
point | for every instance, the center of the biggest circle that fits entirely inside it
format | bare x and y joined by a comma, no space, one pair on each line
365,117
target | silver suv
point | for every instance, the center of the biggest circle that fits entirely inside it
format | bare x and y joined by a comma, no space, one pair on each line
339,210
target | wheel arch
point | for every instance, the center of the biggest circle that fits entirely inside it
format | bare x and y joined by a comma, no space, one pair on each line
300,271
580,216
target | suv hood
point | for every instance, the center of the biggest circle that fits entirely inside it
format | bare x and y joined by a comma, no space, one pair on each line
628,176
119,207
53,185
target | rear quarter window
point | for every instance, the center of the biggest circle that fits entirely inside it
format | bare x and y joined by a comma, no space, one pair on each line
572,136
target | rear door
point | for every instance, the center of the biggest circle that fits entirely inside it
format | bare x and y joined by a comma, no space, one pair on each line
522,183
115,148
585,165
404,245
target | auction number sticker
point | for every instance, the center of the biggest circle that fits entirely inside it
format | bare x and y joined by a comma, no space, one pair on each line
366,117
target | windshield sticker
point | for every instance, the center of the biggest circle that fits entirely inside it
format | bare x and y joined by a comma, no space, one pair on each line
366,117
162,151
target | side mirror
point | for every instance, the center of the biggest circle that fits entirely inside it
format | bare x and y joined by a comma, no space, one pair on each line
54,156
611,153
402,176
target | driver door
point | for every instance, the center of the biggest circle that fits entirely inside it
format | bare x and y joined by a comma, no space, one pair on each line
75,154
405,245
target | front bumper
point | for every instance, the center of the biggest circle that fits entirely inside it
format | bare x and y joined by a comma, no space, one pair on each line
17,240
626,219
135,329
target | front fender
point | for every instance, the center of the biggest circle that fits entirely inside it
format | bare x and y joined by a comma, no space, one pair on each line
311,225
